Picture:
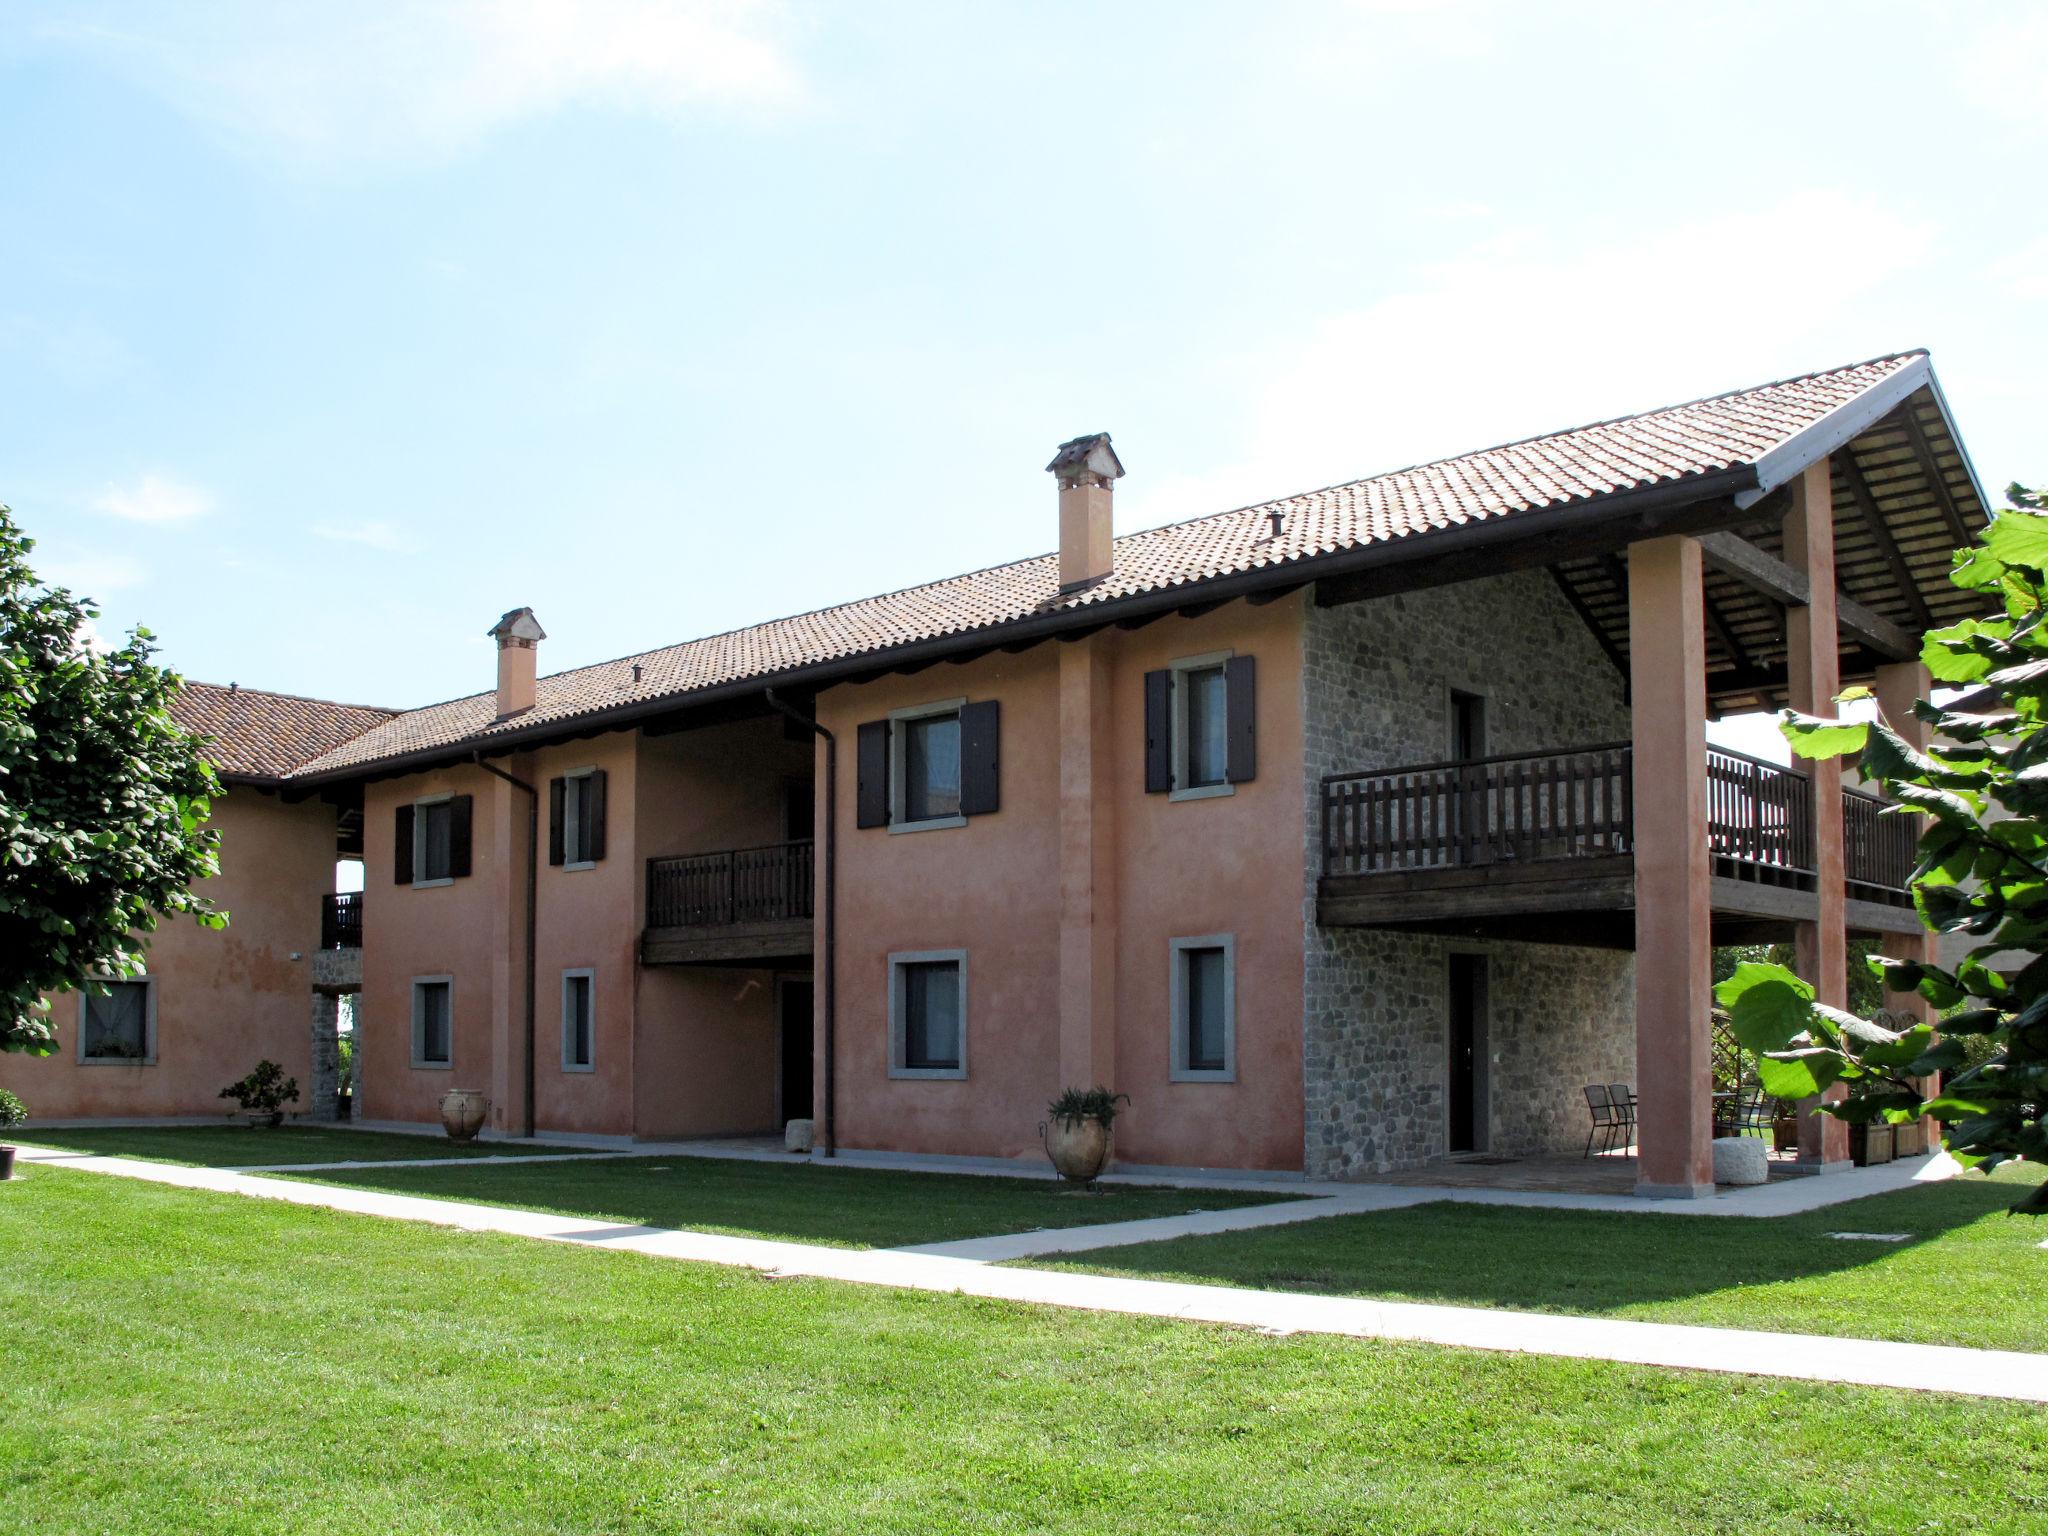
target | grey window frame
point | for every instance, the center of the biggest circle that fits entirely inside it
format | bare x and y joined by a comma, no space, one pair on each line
899,765
587,974
1178,714
1177,995
419,1024
420,880
148,1056
575,805
898,1024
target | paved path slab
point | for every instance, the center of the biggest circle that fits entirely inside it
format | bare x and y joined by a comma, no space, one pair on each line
1799,1357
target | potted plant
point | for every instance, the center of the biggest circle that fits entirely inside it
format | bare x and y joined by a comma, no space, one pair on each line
1077,1133
12,1112
462,1113
1910,1139
1785,1129
263,1094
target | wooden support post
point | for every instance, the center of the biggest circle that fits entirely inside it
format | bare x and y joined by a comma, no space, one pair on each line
1814,670
1668,692
1898,685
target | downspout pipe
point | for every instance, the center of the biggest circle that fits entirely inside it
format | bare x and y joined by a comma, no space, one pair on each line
831,922
532,887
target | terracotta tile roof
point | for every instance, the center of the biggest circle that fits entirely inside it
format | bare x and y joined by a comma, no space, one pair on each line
1667,446
261,735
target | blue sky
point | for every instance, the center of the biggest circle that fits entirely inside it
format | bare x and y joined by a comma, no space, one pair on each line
327,334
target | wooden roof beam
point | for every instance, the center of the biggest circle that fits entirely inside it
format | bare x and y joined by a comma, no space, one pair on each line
1586,616
1766,573
1881,536
1936,480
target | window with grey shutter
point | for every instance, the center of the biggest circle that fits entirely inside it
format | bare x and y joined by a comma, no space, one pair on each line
980,758
401,846
871,765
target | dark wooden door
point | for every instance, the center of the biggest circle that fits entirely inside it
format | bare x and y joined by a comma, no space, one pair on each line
1466,1084
793,1003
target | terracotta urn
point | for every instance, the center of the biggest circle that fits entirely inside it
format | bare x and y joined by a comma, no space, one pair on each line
462,1113
264,1119
1079,1149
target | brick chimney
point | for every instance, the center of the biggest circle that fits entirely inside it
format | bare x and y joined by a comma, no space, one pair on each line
517,634
1087,471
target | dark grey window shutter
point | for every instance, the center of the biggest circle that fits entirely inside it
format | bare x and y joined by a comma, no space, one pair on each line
1241,749
401,848
1158,732
558,791
593,812
458,836
981,751
871,793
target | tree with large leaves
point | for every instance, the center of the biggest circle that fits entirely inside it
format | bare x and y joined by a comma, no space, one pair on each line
103,800
1982,872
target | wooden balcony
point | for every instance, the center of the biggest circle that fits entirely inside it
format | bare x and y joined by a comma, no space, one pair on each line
341,920
1541,845
740,906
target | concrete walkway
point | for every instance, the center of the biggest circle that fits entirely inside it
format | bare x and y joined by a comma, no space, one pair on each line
1800,1357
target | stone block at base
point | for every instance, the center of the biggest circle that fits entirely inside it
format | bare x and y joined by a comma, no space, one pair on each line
1741,1160
797,1136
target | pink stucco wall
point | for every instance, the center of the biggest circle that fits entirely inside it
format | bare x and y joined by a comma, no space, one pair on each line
707,1042
225,999
1231,864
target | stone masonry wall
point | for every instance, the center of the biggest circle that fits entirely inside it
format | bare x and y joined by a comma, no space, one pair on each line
1376,681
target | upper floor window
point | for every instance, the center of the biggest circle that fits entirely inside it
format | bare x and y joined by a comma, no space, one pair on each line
576,818
119,1025
431,841
1201,732
1468,726
1203,994
928,1014
932,765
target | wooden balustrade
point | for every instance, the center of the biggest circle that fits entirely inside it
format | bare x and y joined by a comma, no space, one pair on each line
341,921
771,883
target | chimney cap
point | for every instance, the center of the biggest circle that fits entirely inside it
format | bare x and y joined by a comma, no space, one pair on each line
1087,455
519,624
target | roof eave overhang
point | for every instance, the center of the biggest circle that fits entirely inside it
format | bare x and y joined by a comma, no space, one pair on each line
1735,487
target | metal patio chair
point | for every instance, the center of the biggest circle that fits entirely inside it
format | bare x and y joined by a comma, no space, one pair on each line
1623,1098
1606,1119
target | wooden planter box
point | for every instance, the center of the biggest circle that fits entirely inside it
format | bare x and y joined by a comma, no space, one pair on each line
1910,1139
1870,1145
1785,1133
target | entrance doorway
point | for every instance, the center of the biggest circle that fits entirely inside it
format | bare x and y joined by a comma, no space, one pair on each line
1466,1077
793,1020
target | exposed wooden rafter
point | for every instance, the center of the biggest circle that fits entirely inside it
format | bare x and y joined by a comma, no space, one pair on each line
1763,572
1937,482
1592,623
1881,535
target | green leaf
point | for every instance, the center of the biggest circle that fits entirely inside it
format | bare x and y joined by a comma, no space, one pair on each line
1813,736
1798,1074
1768,1006
2017,538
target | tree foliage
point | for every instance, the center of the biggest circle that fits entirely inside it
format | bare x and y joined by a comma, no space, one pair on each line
1982,872
103,800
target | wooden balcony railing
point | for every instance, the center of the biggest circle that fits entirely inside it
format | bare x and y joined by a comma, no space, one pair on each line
1578,802
341,921
1759,818
1878,851
1521,806
740,885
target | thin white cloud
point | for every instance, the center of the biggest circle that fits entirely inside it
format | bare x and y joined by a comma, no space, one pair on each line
350,83
92,576
373,535
1516,336
154,499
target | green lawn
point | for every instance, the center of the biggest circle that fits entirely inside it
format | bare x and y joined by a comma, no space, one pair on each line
178,1361
796,1200
1968,1273
240,1146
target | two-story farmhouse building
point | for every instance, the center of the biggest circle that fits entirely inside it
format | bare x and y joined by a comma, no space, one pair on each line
1344,832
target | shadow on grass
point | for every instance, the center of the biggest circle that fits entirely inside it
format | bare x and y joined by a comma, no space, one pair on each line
793,1201
237,1145
1962,1253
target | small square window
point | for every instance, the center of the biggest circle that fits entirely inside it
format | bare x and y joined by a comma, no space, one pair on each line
119,1026
579,1022
433,1021
924,788
1204,1007
928,1014
434,841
